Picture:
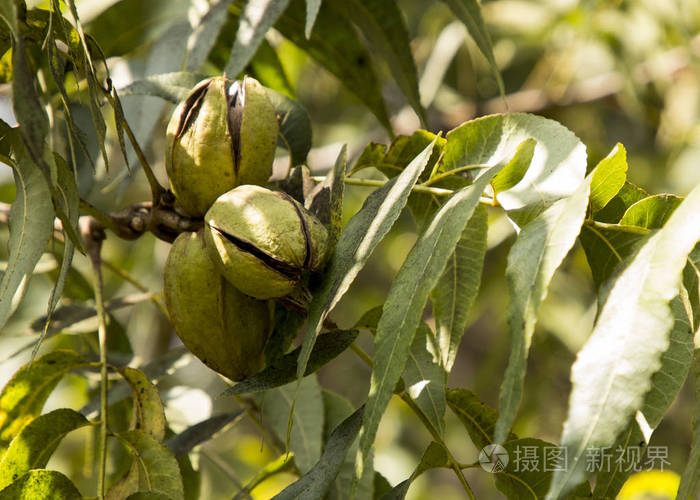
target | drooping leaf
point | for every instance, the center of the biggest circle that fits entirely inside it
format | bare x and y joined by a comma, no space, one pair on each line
407,298
37,441
295,126
130,24
312,7
608,177
631,332
536,254
477,418
173,87
41,483
651,212
203,38
283,371
31,226
556,171
434,456
257,18
382,23
319,478
691,471
150,416
424,377
181,444
326,201
362,234
24,395
469,12
307,427
335,44
158,469
458,286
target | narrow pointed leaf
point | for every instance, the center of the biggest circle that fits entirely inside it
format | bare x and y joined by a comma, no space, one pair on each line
424,377
691,472
283,371
536,254
608,177
257,18
336,46
356,243
37,441
307,419
407,299
44,484
24,395
312,8
614,369
203,38
316,482
469,12
382,23
181,444
326,201
458,287
31,226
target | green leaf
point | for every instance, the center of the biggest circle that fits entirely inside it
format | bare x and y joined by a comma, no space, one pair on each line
627,342
606,249
257,18
534,257
382,23
295,126
150,416
336,46
516,168
283,463
691,472
651,212
24,395
424,377
362,234
158,469
528,473
131,24
31,227
37,441
469,12
44,484
406,300
283,371
458,286
268,69
204,34
319,478
558,163
326,201
173,87
8,13
434,456
307,427
181,444
477,418
312,8
628,195
608,177
148,495
30,113
665,386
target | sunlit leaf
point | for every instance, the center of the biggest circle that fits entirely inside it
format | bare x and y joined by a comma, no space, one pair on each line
37,441
608,177
651,212
614,369
203,37
434,456
150,416
44,484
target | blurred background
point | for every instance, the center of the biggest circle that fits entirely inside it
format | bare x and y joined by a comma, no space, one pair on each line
611,71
